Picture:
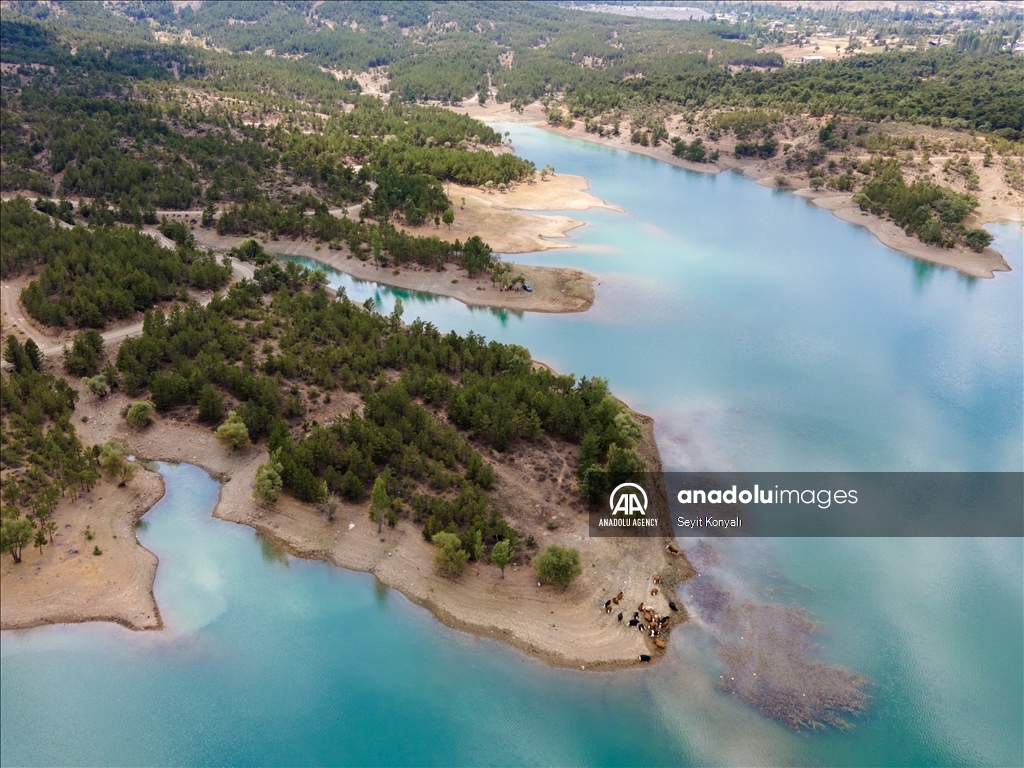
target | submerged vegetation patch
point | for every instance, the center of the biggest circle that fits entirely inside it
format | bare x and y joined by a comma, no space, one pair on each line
769,654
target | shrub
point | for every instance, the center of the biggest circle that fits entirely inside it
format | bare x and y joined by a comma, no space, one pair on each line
844,182
977,239
268,479
114,460
139,413
559,565
450,555
97,385
233,433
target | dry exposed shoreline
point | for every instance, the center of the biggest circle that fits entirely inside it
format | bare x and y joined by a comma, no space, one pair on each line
68,583
966,261
555,289
562,627
498,218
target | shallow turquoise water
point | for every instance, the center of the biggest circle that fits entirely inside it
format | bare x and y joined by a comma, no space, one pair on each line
762,334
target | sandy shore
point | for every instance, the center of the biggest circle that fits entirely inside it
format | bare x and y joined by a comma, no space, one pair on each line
555,289
964,260
498,217
68,583
565,627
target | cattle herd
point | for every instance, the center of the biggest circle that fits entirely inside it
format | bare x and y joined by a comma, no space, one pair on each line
647,618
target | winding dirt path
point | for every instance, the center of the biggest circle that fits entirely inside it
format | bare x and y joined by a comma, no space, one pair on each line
15,317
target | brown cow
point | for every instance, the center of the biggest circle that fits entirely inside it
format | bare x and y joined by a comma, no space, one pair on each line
659,643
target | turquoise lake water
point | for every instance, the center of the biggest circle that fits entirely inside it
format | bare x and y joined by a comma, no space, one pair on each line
762,334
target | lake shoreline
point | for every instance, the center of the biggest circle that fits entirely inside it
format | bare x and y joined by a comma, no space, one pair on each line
510,222
971,263
561,627
555,289
964,260
63,585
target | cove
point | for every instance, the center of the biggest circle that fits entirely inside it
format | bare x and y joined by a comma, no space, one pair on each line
270,660
758,341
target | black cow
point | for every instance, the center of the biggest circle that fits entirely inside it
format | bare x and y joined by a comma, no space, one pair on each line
645,658
620,617
672,606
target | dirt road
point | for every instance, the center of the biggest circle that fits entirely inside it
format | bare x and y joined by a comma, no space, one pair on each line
14,315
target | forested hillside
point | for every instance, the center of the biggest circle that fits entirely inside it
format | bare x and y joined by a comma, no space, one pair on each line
144,113
162,152
145,106
307,120
524,51
41,457
88,276
431,402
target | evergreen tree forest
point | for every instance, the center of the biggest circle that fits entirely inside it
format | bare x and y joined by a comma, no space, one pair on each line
88,276
256,115
432,403
524,51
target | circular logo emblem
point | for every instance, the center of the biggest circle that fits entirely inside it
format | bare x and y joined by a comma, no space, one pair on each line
628,499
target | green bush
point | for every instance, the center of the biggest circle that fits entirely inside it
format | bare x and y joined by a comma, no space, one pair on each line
559,565
268,480
139,414
450,555
233,433
977,239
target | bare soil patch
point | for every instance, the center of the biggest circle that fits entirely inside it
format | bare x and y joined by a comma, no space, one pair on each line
68,583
